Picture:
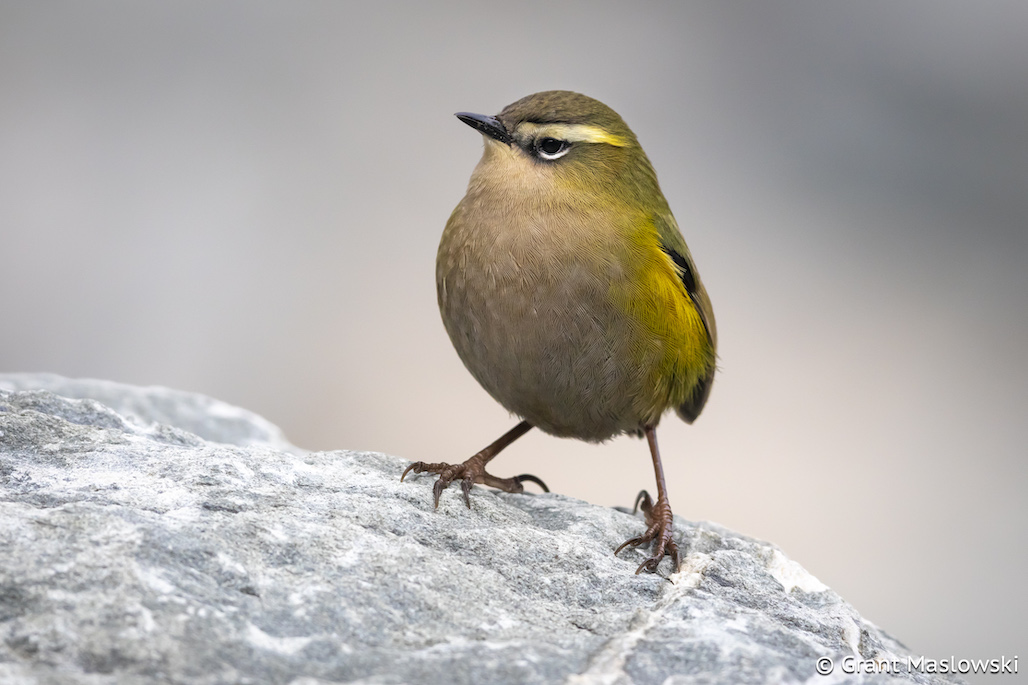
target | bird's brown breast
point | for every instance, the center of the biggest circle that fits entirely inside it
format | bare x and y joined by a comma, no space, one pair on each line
526,294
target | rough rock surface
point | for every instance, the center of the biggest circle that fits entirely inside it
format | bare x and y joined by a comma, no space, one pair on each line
150,536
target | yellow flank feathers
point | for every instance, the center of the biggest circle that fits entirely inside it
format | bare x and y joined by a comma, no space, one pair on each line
573,133
674,344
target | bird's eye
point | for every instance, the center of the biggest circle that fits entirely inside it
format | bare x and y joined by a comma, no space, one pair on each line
551,148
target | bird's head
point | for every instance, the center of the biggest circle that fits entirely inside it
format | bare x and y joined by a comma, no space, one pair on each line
566,141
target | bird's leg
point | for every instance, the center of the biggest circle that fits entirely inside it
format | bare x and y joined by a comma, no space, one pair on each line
658,516
473,470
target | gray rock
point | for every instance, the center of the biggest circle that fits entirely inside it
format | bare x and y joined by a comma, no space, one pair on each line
151,536
204,416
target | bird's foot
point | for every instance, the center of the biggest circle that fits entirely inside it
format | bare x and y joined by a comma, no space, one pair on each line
468,473
658,530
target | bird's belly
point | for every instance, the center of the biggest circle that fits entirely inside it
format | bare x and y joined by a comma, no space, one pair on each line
549,344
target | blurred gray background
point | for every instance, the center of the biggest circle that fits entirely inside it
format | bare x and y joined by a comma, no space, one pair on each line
245,199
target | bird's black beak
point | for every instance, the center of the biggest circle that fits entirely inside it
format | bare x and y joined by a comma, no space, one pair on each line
490,126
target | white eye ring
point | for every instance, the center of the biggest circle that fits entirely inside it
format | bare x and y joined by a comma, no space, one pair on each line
562,149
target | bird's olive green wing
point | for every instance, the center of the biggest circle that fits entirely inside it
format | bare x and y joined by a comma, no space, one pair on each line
673,244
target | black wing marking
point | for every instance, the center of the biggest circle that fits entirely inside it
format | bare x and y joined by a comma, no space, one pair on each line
685,270
693,405
686,273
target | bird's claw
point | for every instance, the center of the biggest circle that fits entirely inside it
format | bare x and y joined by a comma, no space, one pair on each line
447,474
532,479
659,521
469,472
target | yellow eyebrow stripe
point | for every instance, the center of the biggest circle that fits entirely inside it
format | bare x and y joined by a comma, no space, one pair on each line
573,133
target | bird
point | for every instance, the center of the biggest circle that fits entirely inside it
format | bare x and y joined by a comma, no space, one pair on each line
569,293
